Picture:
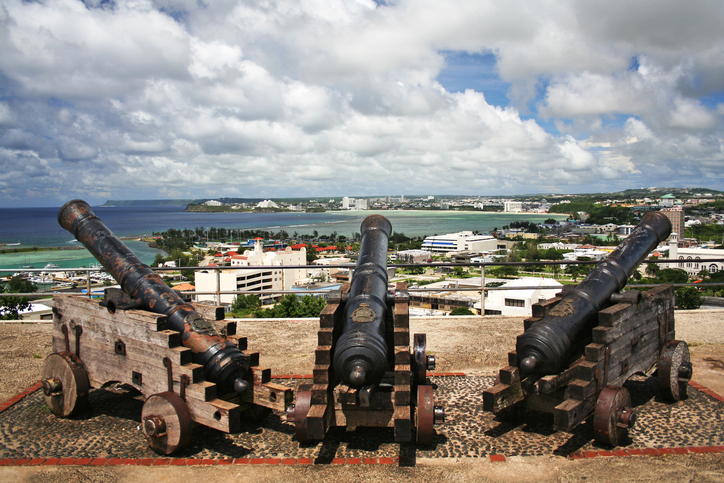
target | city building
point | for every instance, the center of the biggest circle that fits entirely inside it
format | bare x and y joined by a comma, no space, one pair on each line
513,206
253,279
694,259
667,201
326,268
413,256
519,302
354,203
676,216
267,204
461,241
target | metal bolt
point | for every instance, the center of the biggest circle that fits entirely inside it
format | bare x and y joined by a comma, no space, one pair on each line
626,418
52,387
154,426
438,415
686,370
430,363
291,416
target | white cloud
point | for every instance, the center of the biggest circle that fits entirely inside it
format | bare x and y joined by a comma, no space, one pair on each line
285,98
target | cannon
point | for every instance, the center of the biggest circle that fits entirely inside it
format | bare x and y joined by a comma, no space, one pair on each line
365,373
579,348
190,367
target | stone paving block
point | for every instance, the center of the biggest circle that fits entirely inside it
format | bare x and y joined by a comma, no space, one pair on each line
694,422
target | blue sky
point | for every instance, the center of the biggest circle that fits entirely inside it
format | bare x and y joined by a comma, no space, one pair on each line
148,99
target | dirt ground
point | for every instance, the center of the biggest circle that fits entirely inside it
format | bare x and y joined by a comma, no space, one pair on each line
468,344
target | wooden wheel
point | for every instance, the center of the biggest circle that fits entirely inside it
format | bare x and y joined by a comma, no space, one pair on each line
166,422
674,370
65,384
419,359
613,416
425,414
301,409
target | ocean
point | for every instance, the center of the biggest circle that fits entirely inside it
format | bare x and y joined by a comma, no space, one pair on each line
38,227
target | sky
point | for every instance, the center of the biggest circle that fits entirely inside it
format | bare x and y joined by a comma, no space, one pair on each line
158,99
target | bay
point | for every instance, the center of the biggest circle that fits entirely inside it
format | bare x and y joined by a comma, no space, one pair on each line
39,227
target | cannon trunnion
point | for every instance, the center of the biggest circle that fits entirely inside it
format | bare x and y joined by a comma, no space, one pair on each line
365,373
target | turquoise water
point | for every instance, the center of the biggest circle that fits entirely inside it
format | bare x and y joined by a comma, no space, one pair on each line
39,227
70,258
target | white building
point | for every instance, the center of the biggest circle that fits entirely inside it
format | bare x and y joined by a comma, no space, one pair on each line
667,201
354,203
212,203
694,259
519,302
253,279
626,229
326,267
459,242
586,252
513,206
267,204
413,256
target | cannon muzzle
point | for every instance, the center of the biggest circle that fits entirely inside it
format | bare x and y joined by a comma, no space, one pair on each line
548,344
360,355
224,364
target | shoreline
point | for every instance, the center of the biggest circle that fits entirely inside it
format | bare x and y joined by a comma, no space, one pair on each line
36,249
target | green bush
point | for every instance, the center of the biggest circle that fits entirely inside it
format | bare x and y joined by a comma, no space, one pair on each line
461,311
688,298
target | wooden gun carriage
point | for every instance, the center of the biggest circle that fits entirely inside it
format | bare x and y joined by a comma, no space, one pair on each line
634,335
96,343
144,334
402,400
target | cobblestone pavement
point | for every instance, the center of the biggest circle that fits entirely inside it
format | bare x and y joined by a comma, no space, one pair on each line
110,429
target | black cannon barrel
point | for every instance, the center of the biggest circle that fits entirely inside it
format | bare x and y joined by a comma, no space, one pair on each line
360,354
546,346
224,364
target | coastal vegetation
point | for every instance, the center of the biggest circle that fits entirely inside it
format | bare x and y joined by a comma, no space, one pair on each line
10,307
289,306
7,250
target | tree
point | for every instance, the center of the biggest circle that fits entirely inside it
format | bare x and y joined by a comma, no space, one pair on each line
688,298
652,270
292,306
461,311
673,275
245,304
158,260
10,307
506,271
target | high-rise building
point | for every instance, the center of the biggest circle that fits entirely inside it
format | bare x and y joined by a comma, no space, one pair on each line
676,216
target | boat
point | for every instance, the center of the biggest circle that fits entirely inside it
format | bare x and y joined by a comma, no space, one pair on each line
52,265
